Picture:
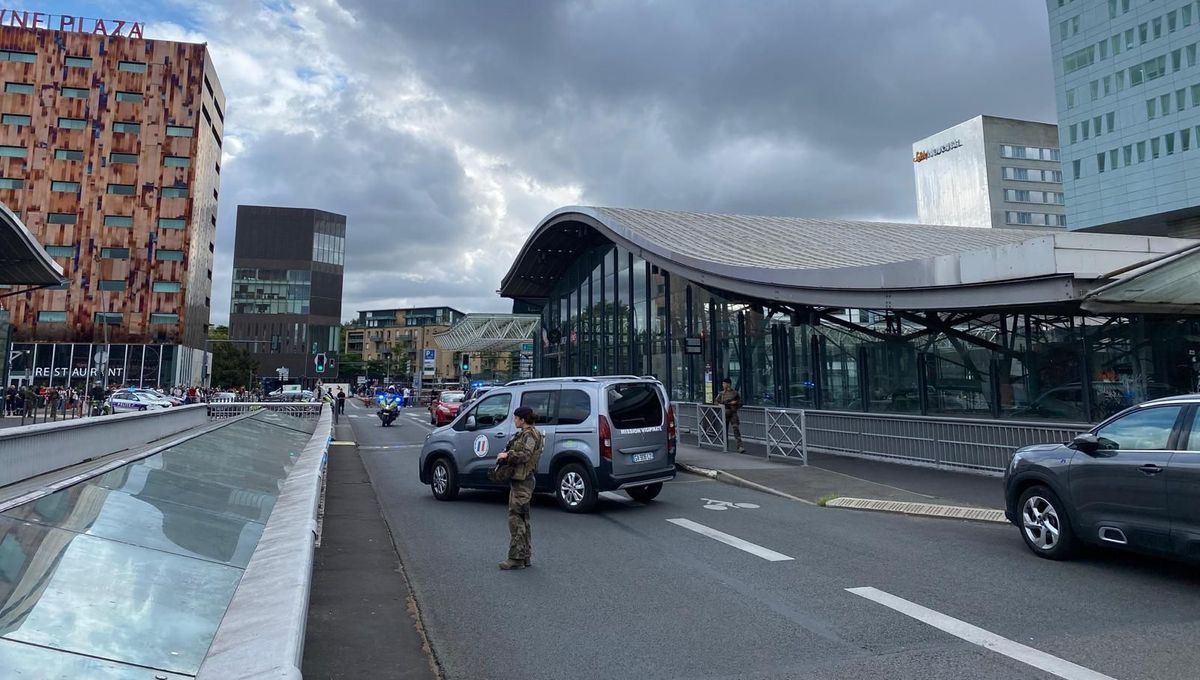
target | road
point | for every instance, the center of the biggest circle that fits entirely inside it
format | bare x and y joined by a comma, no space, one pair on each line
646,591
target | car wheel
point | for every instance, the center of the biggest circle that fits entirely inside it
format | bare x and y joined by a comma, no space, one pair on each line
443,480
574,489
645,493
1044,524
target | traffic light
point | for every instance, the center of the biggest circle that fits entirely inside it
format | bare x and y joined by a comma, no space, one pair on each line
320,362
466,363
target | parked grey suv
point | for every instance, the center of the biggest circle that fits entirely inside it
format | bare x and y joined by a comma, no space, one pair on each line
602,434
1132,481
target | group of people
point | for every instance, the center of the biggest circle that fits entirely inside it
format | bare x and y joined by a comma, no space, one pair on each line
25,400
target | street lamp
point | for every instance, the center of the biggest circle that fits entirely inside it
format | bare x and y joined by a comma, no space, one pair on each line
388,379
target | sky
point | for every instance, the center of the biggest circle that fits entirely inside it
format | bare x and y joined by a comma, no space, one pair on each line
445,130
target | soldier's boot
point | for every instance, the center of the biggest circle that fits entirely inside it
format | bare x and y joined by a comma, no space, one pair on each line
508,565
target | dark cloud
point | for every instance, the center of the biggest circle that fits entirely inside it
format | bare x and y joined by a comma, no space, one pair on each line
787,107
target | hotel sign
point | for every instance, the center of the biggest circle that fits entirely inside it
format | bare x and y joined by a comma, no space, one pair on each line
61,22
936,151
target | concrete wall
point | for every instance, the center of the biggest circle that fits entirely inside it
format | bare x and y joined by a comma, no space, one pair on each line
33,450
952,184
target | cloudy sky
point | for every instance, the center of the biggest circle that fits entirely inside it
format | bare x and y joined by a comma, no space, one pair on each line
445,130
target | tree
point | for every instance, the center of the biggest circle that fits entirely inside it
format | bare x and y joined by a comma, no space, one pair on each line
232,364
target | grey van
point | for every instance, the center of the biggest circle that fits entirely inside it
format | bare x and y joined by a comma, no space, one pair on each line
602,434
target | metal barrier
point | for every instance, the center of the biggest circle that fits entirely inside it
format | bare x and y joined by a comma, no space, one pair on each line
957,443
711,430
785,434
308,410
34,450
960,443
685,417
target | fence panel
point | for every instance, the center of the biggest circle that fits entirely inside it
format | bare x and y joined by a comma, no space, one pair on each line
685,417
786,434
959,443
711,431
307,410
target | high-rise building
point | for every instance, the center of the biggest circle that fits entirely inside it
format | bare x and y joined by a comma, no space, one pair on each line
110,152
1127,82
990,172
287,290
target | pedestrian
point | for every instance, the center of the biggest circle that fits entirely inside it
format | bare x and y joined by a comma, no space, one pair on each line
10,399
97,396
341,401
407,396
52,397
732,402
521,458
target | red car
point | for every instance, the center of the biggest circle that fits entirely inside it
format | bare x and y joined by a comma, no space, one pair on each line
445,407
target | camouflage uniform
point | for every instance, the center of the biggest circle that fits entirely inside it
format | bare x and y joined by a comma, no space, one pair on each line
524,450
732,401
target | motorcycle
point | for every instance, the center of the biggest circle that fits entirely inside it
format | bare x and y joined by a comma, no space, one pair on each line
389,410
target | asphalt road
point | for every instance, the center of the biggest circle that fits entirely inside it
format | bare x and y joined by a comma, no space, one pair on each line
641,591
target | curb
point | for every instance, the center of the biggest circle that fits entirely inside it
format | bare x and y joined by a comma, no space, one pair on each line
921,509
728,478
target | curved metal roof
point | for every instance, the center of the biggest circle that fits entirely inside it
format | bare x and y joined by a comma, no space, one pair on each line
22,258
836,263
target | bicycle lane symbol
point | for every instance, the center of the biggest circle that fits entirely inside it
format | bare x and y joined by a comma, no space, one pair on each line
710,504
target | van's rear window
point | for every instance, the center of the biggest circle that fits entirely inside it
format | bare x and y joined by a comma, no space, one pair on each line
634,405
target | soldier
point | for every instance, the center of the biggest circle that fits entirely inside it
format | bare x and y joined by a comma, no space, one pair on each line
522,456
732,401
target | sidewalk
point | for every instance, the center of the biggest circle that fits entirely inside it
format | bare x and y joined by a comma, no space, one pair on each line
827,476
359,621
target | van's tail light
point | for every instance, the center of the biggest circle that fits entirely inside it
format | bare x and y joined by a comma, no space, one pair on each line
605,439
671,429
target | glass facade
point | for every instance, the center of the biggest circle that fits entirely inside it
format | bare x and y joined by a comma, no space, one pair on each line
614,313
79,364
271,291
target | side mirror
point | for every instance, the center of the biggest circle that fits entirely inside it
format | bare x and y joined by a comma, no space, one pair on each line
1086,442
471,423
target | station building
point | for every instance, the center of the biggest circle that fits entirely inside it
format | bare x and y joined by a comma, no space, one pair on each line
863,316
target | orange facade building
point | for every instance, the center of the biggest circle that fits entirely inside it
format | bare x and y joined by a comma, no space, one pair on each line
110,152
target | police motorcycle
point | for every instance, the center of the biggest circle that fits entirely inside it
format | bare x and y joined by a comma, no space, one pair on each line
389,407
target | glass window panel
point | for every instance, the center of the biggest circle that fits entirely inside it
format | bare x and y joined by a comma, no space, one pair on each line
126,127
15,119
75,92
79,62
177,161
1144,430
18,88
11,183
70,123
61,218
122,189
178,131
167,286
90,574
131,66
171,223
68,155
130,97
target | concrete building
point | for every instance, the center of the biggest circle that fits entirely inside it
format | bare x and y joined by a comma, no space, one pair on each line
110,152
990,172
1127,84
286,306
407,333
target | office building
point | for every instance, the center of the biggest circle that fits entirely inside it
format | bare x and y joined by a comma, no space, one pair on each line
110,151
990,172
286,306
404,336
1127,83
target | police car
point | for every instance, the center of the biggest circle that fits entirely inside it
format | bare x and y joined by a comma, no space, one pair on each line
129,400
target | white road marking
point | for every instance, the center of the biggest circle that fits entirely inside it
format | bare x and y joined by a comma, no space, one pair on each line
753,549
986,639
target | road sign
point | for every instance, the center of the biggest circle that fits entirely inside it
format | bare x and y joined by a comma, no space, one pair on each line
362,380
429,365
693,346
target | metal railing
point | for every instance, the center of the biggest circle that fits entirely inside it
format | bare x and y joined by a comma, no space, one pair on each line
956,443
786,435
711,432
308,410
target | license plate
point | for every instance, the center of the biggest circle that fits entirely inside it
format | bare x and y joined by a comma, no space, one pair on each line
643,457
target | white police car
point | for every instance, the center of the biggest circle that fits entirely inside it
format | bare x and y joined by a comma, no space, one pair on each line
129,400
